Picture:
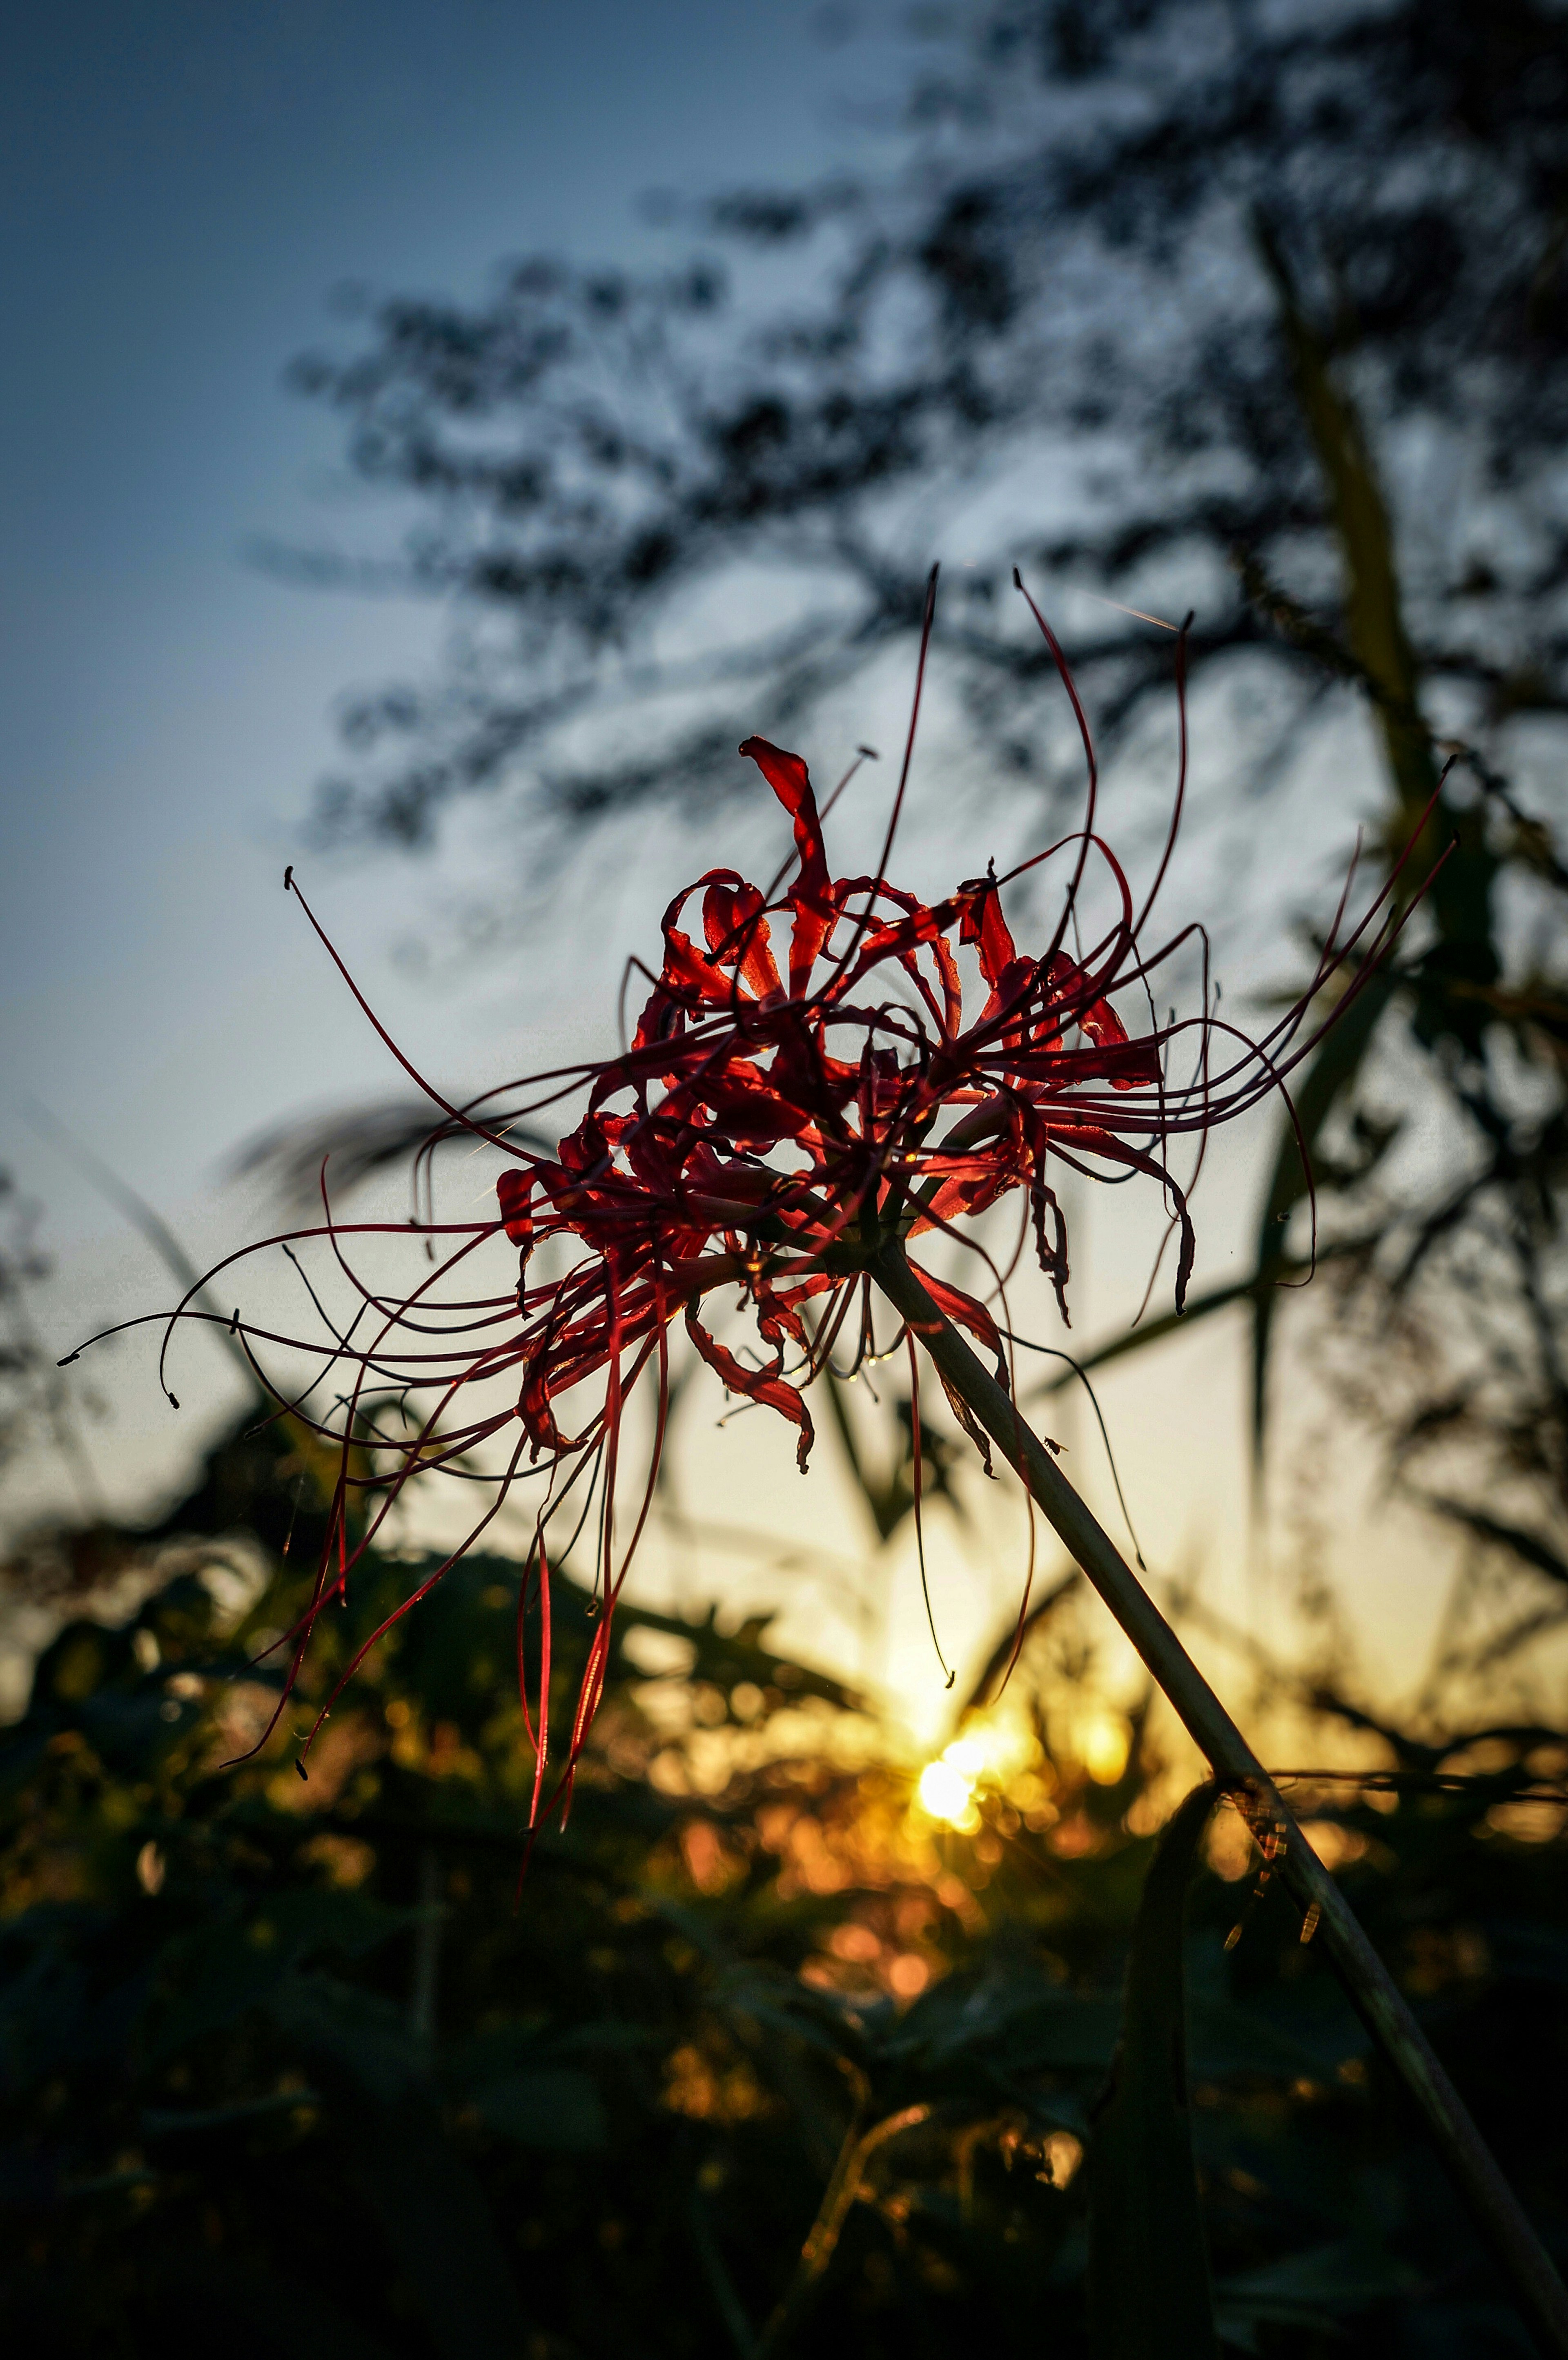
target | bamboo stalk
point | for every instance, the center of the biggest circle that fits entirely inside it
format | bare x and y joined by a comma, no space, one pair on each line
1497,2213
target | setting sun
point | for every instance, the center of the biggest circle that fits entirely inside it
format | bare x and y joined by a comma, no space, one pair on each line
946,1793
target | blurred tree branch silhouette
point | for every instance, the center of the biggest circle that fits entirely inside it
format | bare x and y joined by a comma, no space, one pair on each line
1237,261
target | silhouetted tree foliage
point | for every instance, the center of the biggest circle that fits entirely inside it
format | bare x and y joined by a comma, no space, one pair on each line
1118,224
36,1410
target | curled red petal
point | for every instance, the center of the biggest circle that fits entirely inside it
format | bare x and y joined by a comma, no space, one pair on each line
982,924
964,1312
764,1385
738,937
810,897
515,1190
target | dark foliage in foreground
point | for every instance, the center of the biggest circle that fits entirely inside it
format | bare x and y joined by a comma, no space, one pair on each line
282,2066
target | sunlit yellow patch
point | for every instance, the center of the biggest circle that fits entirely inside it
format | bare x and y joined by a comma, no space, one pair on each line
1102,1743
996,1750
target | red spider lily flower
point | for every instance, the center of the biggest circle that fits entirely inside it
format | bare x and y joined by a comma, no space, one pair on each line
808,1075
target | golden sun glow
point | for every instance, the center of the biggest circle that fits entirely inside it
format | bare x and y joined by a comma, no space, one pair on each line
1000,1752
994,1750
946,1793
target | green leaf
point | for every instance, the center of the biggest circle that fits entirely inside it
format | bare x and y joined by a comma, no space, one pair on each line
1149,2272
1330,1072
1037,2032
1314,2289
556,2109
437,2225
211,1974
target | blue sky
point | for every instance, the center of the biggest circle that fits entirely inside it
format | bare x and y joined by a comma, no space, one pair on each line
183,187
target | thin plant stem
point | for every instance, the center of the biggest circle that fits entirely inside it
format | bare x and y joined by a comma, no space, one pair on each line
1497,2211
822,2238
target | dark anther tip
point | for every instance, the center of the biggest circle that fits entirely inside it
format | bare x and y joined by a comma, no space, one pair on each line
288,876
303,1772
173,1402
68,1360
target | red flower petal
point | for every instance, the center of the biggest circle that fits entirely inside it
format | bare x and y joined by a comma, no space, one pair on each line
764,1385
516,1191
810,897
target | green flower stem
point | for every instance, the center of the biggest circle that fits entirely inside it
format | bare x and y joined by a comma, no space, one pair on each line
1497,2211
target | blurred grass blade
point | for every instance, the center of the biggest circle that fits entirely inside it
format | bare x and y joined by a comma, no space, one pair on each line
1148,2271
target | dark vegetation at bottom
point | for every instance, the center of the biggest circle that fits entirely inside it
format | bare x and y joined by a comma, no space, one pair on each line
284,2069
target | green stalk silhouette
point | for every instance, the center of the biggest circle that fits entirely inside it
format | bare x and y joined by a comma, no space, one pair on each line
1497,2211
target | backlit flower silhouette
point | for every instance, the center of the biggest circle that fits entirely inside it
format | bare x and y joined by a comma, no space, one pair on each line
810,1079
